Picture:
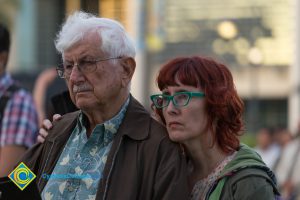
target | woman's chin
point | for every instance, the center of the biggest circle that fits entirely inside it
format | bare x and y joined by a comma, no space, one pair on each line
175,137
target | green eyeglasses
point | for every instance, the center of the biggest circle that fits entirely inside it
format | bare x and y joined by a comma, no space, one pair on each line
179,99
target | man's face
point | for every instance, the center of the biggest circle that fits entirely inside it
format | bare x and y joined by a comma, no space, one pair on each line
100,88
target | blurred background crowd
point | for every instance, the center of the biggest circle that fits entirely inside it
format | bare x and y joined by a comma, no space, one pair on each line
259,40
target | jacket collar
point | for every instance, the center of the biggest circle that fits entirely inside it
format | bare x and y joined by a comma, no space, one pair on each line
5,82
245,157
136,122
65,126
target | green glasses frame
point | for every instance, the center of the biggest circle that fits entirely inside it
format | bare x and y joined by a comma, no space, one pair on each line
163,97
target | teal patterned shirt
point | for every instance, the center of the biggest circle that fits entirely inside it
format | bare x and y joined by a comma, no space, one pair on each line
79,169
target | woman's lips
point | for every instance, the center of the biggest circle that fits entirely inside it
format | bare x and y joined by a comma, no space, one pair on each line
174,124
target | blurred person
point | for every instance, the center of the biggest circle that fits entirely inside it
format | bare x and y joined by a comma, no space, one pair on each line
51,95
283,136
111,148
287,169
42,82
18,115
203,112
266,147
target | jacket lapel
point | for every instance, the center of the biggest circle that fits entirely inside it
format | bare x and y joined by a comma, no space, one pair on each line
55,144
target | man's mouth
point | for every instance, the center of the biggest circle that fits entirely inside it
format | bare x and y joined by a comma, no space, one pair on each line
81,88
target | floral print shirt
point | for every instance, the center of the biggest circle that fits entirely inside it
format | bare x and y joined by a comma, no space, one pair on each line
202,186
80,166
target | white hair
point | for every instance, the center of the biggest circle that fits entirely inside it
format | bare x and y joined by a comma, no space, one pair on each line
115,40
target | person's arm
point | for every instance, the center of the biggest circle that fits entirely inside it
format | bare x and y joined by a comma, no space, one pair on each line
46,126
250,183
257,188
8,156
39,91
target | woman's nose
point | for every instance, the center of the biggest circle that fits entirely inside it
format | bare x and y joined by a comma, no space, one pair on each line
171,108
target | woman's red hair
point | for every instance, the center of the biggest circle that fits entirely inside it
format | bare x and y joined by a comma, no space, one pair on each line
223,105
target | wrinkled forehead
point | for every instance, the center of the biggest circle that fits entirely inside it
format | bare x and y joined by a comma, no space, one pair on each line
87,46
90,38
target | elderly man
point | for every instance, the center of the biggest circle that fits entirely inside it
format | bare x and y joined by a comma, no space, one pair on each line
18,115
111,148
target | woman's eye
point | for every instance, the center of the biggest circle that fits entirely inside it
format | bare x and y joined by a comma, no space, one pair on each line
183,96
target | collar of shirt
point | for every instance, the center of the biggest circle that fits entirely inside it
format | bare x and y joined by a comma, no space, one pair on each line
108,128
5,82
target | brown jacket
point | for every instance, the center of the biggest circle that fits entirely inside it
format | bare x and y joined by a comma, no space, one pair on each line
142,163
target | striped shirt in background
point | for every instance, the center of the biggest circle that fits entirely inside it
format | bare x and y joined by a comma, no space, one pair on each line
19,125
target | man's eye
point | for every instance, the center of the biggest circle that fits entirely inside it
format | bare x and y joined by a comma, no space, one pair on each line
68,66
86,63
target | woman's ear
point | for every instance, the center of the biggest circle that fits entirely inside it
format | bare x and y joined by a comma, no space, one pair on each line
128,65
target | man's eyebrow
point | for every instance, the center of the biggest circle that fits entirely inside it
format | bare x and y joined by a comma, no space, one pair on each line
81,58
86,57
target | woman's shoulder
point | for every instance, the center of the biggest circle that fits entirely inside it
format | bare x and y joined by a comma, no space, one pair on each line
250,183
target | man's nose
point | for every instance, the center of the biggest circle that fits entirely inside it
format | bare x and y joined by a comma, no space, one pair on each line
76,72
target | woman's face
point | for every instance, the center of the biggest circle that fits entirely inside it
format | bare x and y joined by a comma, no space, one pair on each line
186,123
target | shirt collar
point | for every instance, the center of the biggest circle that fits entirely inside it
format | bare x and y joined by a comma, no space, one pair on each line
5,82
110,126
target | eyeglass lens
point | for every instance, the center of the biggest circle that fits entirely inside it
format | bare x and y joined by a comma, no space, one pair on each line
178,100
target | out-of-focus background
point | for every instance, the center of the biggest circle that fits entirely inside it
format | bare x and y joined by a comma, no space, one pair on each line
257,39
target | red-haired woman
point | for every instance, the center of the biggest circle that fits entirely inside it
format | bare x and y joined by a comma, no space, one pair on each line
202,111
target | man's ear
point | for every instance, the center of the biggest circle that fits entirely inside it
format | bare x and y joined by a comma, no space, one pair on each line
128,65
3,61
